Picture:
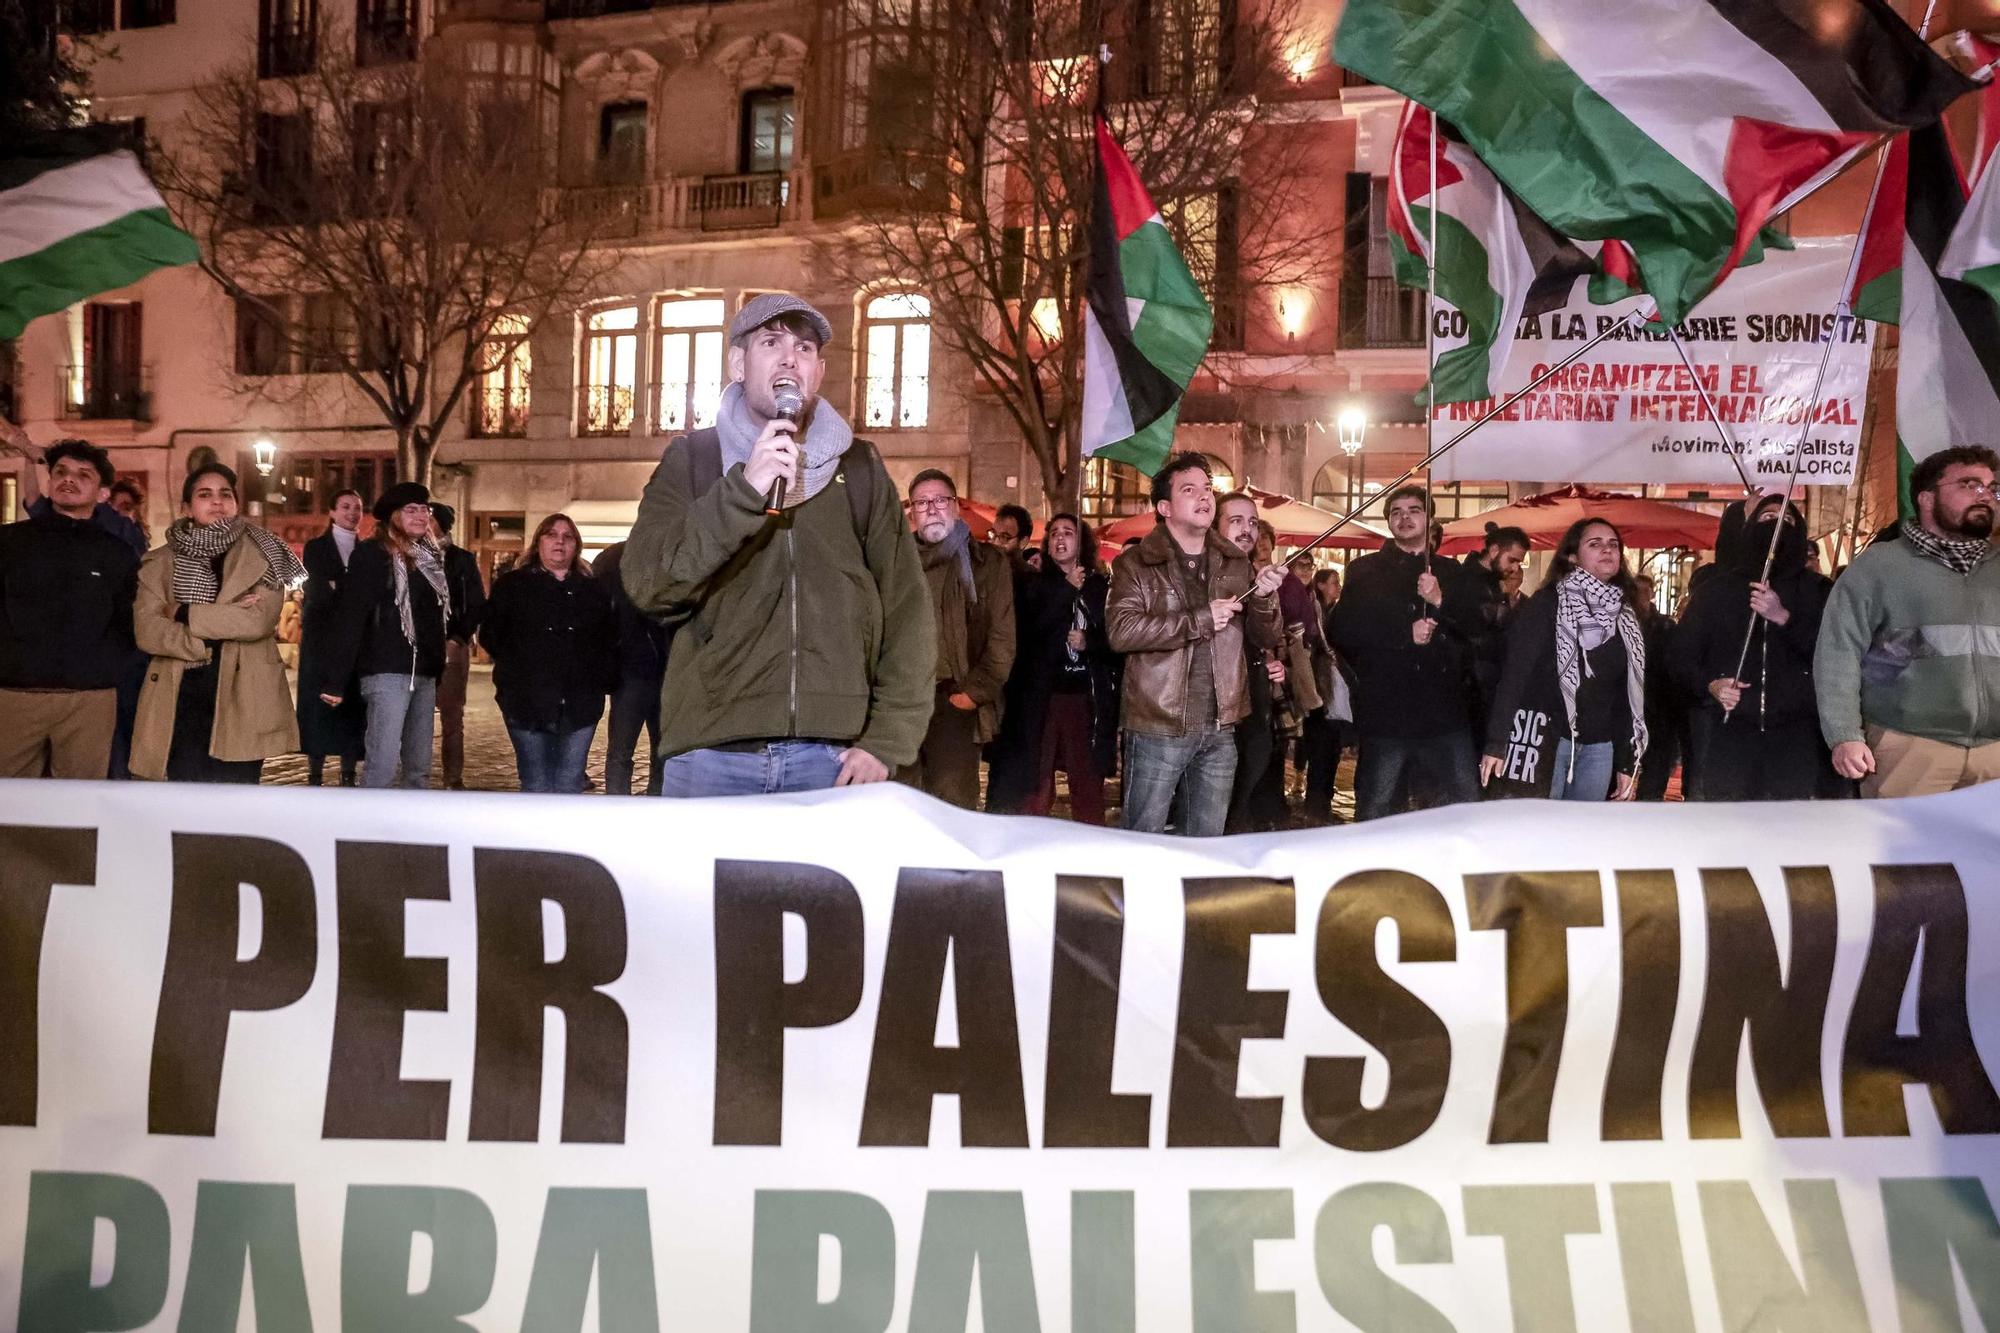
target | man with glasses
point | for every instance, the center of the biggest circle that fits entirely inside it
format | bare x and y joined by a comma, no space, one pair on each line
1908,664
972,593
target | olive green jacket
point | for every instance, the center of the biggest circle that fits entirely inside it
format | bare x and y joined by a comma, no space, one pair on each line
789,627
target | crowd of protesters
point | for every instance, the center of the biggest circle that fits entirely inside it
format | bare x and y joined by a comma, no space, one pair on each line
782,619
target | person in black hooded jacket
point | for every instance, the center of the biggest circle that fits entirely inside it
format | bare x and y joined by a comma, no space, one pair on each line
1769,747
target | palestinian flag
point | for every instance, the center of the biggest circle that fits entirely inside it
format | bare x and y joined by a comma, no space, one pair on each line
1974,252
1496,261
1676,126
1146,325
78,216
1948,367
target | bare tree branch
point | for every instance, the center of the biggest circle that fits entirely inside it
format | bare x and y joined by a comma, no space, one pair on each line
383,223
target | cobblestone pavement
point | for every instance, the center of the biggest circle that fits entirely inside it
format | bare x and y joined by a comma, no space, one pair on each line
489,755
489,758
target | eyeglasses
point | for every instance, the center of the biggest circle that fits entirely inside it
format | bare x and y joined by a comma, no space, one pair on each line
942,504
1971,486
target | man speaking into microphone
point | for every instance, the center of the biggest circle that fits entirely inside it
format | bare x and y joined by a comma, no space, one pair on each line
774,543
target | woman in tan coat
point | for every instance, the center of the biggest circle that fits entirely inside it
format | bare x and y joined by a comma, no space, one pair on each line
215,703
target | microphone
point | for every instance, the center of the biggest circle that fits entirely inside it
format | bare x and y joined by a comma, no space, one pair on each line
790,403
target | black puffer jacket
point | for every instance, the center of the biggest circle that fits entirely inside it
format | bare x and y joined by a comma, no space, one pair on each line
367,637
1404,689
66,590
555,647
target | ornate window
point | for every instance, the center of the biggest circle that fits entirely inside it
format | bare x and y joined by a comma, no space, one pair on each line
896,361
500,394
688,351
1112,490
611,371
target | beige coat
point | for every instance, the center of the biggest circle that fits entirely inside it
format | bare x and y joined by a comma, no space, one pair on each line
254,716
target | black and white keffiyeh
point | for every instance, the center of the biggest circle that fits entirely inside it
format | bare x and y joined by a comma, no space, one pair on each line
1588,612
195,549
428,557
1960,557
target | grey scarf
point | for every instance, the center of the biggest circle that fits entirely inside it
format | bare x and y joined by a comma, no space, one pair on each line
1589,611
195,550
956,548
429,560
825,439
1958,556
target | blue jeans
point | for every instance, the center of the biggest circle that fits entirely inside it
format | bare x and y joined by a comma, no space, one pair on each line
401,712
1201,766
1392,773
1593,772
780,766
551,761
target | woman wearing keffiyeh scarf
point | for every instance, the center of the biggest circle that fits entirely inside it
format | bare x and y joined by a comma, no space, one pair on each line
1569,719
390,630
215,703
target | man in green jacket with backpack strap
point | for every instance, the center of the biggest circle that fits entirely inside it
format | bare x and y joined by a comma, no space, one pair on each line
804,648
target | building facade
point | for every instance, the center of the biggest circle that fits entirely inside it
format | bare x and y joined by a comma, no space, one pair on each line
682,134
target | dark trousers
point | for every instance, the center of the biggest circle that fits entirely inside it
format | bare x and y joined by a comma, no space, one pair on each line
1782,762
451,689
635,707
947,764
1257,749
1320,749
1394,773
188,759
1663,752
1066,745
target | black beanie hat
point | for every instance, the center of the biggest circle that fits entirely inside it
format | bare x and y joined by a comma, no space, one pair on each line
402,493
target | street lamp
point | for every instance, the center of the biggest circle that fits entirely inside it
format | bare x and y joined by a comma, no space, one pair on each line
1353,423
266,454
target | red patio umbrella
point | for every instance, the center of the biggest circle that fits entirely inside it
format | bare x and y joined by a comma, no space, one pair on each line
1649,524
1296,523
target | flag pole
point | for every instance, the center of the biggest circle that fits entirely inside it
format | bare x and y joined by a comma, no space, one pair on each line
1843,313
1430,359
1634,317
1728,440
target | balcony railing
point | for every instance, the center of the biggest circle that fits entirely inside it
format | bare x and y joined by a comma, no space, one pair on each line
499,413
684,203
287,48
604,409
1350,79
385,36
1392,316
587,9
123,393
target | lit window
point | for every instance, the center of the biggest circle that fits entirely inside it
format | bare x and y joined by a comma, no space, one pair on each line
1112,490
689,348
896,352
611,371
500,396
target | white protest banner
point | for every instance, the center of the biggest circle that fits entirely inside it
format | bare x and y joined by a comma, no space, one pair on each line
1628,410
370,1062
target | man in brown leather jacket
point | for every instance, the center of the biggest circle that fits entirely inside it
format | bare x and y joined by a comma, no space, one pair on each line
1174,612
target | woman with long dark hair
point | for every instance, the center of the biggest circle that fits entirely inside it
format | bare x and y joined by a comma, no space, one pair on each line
1062,700
323,730
1569,717
389,633
215,704
553,635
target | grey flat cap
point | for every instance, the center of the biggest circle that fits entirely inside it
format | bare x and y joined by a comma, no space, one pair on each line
761,310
